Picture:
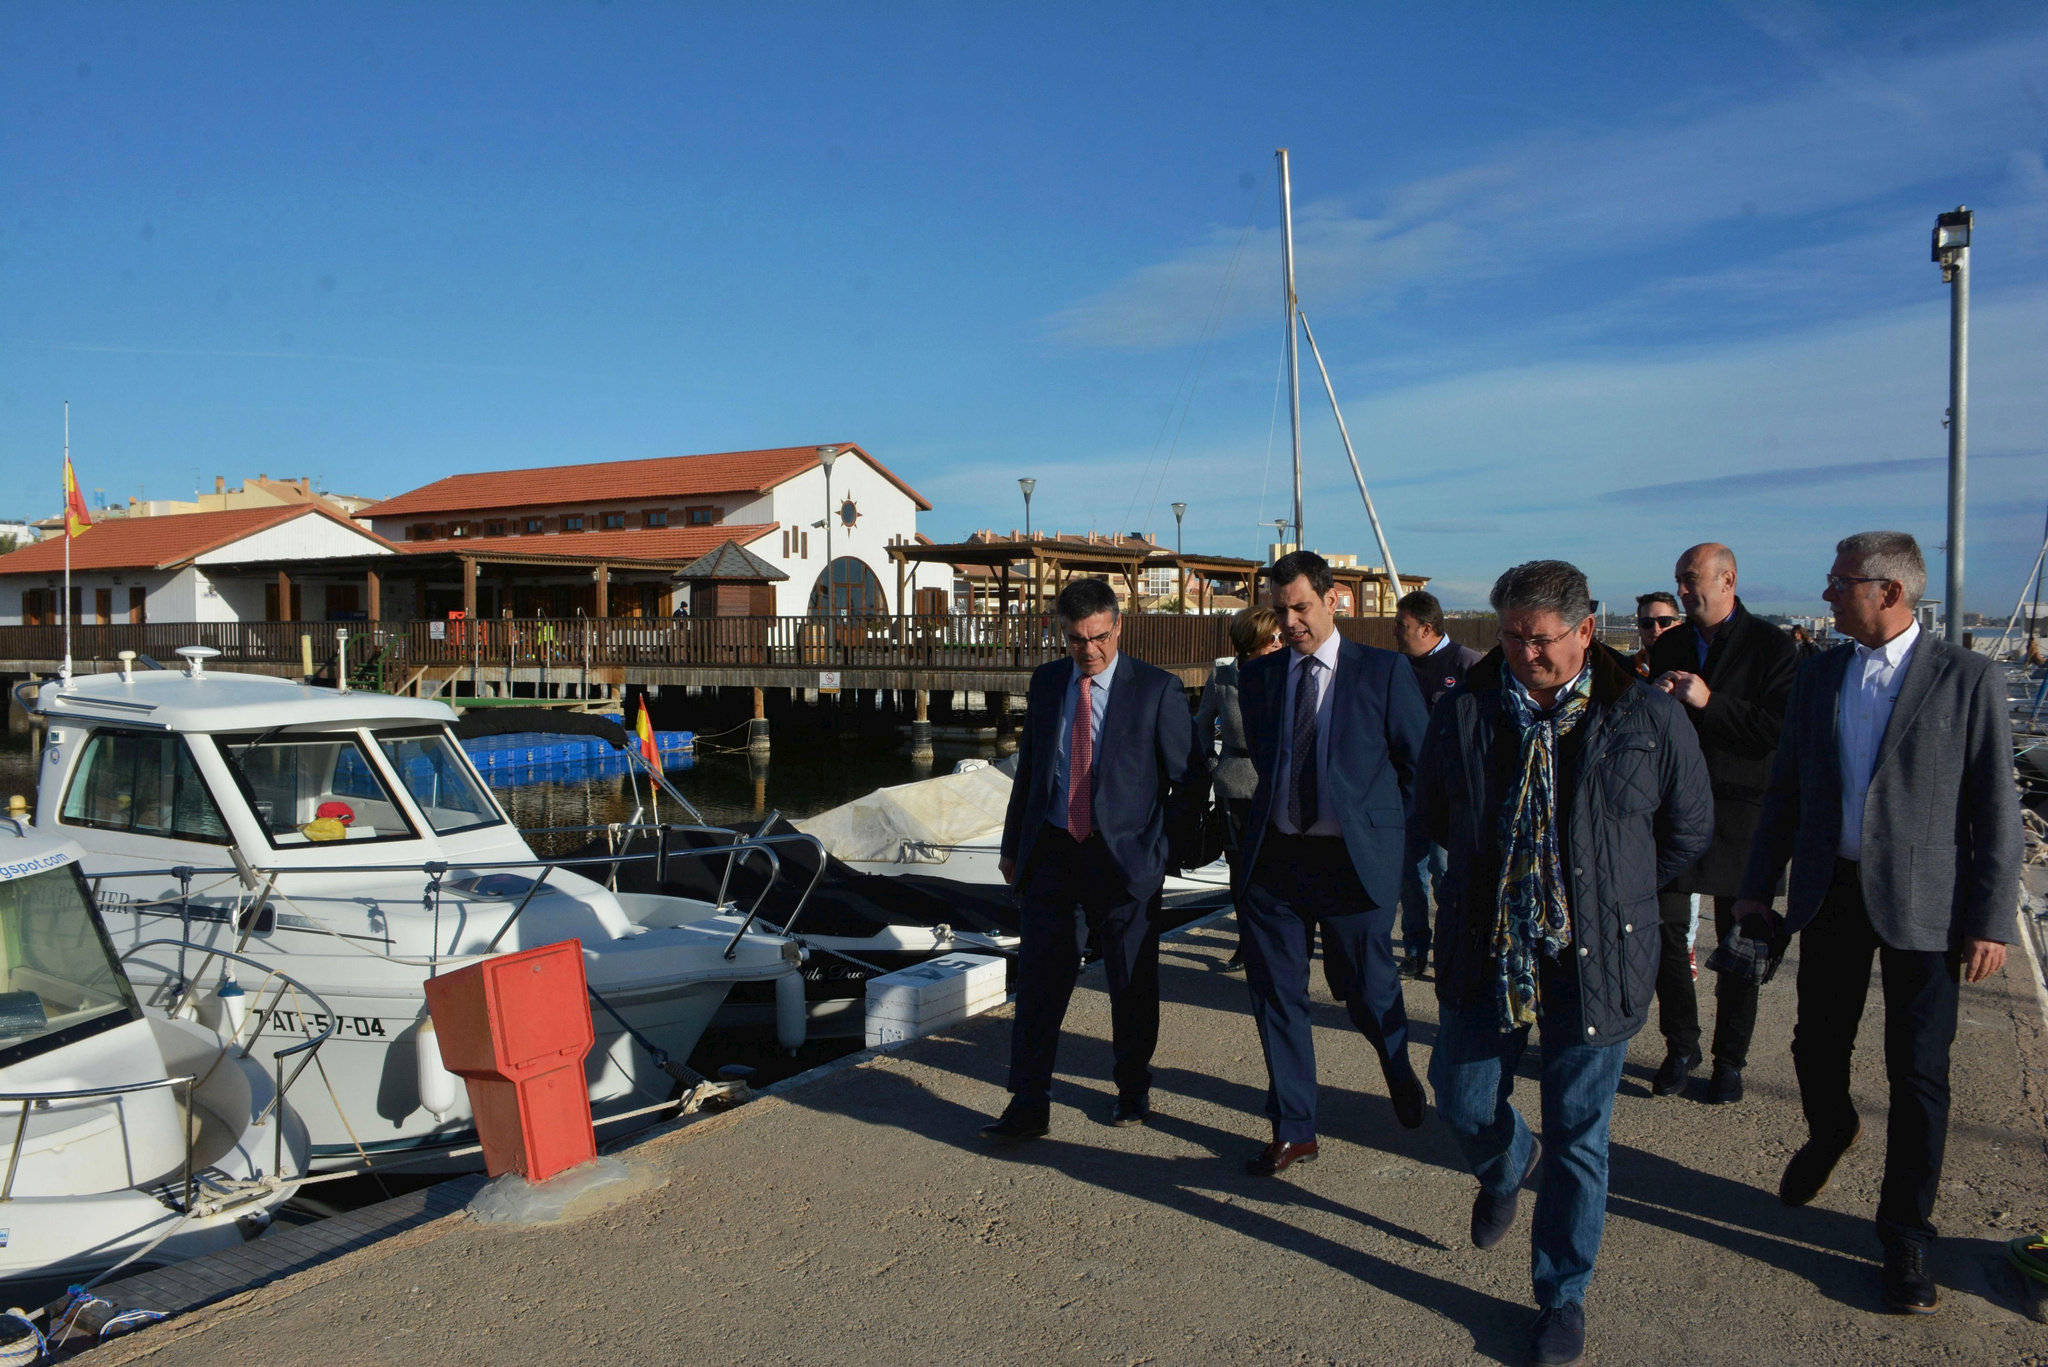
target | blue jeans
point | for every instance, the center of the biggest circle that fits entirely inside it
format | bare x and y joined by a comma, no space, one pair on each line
1418,891
1473,1072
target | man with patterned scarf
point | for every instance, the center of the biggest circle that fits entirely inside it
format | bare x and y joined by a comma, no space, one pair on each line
1567,792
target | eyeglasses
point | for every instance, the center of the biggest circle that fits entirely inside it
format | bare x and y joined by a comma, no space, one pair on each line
1532,642
1838,582
1075,642
1657,623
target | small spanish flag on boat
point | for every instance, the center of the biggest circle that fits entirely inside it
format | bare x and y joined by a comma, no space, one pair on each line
644,729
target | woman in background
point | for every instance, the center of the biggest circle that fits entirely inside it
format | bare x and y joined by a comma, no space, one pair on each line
1254,632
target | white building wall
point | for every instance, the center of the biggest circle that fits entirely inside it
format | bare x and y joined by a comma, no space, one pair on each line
311,537
887,514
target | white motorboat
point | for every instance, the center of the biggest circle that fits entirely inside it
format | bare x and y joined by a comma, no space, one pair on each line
344,838
133,1139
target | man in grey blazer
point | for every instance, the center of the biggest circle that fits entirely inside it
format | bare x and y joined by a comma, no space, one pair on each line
1892,797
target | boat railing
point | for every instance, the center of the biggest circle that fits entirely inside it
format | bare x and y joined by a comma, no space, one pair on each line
436,872
308,1046
40,1101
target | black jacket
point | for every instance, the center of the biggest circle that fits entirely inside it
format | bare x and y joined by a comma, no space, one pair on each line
1140,772
1442,670
1639,814
1749,673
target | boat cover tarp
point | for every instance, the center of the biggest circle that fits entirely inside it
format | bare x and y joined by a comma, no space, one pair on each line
951,809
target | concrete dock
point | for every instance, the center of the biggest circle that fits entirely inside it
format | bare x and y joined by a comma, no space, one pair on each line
858,1218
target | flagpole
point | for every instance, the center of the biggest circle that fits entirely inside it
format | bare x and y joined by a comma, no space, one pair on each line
64,674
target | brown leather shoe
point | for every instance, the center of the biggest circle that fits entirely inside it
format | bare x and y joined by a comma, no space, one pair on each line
1277,1158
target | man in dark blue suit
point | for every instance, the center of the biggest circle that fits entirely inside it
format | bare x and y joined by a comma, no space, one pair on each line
1335,729
1106,744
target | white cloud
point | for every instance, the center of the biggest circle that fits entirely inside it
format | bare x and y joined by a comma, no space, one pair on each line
1853,134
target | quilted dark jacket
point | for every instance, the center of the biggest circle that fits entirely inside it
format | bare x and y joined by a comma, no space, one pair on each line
1641,811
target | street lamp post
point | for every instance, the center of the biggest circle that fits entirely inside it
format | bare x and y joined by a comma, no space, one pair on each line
826,455
1952,254
1027,485
1180,510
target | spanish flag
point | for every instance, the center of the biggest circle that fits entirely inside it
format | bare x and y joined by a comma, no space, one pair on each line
644,729
76,519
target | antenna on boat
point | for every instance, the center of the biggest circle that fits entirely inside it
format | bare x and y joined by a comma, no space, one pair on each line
1293,352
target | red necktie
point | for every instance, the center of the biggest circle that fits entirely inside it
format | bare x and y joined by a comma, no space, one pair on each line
1080,757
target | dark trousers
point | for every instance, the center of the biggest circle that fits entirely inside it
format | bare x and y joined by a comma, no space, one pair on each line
1678,1009
1062,875
1301,882
1921,993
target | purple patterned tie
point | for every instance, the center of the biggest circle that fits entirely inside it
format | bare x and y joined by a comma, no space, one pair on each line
1301,760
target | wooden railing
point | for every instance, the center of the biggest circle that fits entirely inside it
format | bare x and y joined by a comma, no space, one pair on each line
384,654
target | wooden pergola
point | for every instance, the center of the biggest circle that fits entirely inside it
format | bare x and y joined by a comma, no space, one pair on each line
1048,563
1206,569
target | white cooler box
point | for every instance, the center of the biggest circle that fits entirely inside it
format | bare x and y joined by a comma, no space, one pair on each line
930,996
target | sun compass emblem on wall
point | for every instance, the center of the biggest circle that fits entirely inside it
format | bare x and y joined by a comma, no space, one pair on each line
849,513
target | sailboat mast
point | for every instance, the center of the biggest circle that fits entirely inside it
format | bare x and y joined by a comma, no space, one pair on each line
1372,513
1293,352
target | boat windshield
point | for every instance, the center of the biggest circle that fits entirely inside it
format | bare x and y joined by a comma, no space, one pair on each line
309,789
440,780
59,982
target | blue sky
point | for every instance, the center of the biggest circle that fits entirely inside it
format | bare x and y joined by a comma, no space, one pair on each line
1594,281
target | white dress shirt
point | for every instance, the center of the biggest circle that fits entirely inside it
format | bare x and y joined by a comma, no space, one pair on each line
1070,701
1326,809
1869,690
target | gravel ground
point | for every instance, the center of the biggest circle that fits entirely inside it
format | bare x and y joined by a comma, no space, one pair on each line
859,1219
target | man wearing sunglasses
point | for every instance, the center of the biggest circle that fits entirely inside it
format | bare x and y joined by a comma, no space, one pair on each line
1892,799
1733,672
1656,613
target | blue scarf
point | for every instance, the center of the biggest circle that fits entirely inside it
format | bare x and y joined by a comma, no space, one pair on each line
1535,905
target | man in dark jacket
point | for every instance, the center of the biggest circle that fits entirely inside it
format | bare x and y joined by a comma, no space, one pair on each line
1892,798
1105,748
1734,674
1568,792
1440,666
1335,728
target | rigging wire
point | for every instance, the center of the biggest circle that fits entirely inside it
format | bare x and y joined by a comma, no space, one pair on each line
1272,428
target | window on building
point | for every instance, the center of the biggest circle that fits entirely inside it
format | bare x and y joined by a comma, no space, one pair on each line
614,522
138,604
534,526
855,590
495,528
420,531
785,544
572,522
705,517
458,529
102,607
656,517
805,537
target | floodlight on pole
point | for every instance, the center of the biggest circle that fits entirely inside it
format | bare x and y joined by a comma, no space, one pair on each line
1951,252
1180,510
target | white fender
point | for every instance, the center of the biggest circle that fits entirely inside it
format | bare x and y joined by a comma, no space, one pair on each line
437,1084
234,1006
791,1022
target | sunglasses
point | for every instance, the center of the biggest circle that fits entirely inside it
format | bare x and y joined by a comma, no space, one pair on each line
1657,623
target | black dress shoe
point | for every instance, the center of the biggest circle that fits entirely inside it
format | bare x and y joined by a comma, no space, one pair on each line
1406,1095
1131,1111
1725,1086
1019,1122
1676,1072
1558,1338
1806,1176
1493,1216
1277,1158
1415,966
1907,1286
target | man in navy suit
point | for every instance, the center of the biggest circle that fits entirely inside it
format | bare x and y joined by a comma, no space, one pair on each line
1335,730
1106,744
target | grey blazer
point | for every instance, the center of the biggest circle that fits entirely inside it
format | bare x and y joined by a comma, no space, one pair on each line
1941,822
1232,772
